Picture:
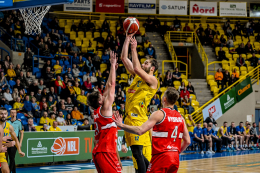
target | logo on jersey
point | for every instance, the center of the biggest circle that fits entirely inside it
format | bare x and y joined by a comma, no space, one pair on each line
141,104
138,83
171,148
136,138
134,115
175,119
66,146
131,91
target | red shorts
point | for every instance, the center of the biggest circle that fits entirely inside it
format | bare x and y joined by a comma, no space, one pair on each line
167,162
106,162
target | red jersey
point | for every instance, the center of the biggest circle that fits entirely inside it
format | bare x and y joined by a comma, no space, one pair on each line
105,133
167,134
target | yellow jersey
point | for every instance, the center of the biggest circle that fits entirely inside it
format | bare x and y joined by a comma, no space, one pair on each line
224,131
188,121
57,129
247,131
138,97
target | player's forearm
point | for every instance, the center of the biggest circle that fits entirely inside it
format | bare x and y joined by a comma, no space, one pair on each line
136,63
125,49
17,143
21,138
132,129
185,143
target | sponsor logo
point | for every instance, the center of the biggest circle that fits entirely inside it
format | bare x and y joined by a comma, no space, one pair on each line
164,7
40,149
233,6
172,148
131,91
241,91
202,9
134,115
109,5
136,138
230,102
65,146
39,144
212,109
142,5
175,119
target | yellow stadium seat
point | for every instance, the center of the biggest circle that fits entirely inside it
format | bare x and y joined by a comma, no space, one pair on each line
243,68
96,34
186,83
163,89
103,65
213,87
176,83
235,56
143,60
141,54
81,34
235,67
229,56
243,73
84,49
78,43
189,40
194,103
193,97
124,76
249,68
210,77
124,81
183,76
215,91
181,111
102,69
73,35
62,24
248,56
225,49
216,50
67,29
238,37
104,35
99,53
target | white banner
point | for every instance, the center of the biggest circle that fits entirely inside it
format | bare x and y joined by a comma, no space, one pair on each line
203,8
232,9
214,108
173,7
142,6
79,5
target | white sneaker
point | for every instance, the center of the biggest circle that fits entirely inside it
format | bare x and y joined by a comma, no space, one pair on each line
212,152
208,152
202,152
237,149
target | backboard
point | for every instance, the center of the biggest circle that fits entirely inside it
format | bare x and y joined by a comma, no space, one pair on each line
18,4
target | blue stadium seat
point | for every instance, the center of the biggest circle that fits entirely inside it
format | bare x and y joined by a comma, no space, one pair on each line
66,63
35,70
38,75
61,32
24,122
53,62
61,63
80,74
25,39
79,123
11,83
56,43
8,107
74,121
25,90
84,59
21,116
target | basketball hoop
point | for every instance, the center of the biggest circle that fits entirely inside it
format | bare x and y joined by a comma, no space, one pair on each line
33,18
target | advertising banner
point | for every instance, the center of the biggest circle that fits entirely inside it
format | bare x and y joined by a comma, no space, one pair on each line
42,147
173,7
228,100
214,108
232,9
79,5
243,89
203,8
142,6
110,6
254,10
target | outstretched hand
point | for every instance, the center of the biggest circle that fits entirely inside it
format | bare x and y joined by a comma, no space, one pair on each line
113,59
118,119
133,43
129,36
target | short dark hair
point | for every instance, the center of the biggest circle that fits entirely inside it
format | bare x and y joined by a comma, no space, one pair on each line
171,95
209,125
154,64
93,99
13,109
241,122
3,109
253,123
224,122
248,124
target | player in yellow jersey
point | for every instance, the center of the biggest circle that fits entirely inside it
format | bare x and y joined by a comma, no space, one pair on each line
8,129
138,97
247,136
222,133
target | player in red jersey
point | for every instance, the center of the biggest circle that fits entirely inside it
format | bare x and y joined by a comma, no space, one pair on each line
105,154
168,131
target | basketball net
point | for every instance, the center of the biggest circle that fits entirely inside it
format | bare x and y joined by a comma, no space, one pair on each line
33,18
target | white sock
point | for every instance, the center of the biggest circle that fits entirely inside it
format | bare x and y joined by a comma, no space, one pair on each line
255,145
232,146
210,148
241,146
246,145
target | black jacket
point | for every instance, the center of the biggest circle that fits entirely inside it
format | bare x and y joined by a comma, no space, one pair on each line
208,120
26,128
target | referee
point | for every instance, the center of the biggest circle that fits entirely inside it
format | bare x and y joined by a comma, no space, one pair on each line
17,125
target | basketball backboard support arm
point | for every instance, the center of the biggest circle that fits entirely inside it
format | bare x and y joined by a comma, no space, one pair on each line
19,4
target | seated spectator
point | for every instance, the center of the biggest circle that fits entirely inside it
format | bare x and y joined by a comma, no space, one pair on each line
223,41
75,49
219,78
3,82
211,119
68,120
249,48
29,78
176,75
82,100
51,103
105,57
54,111
240,61
86,76
250,31
130,79
28,108
150,51
36,108
15,94
236,32
41,84
222,55
54,127
81,64
10,72
57,68
190,123
89,64
63,110
90,26
69,105
165,28
198,137
7,62
23,79
241,49
60,119
59,85
147,44
18,70
229,32
253,60
216,41
88,85
168,80
18,105
49,76
230,42
75,71
177,23
22,95
190,88
105,27
76,114
100,79
148,24
241,133
96,61
184,93
226,78
46,51
186,27
186,104
33,87
29,127
181,87
44,128
257,38
8,97
235,73
44,119
156,24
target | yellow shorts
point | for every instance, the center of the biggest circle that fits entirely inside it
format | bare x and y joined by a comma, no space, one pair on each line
147,152
2,158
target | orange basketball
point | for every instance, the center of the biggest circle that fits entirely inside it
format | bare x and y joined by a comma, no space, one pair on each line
131,25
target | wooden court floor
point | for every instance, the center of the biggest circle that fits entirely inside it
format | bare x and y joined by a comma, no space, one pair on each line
249,163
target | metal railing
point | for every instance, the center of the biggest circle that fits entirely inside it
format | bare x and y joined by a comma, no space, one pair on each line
253,74
177,64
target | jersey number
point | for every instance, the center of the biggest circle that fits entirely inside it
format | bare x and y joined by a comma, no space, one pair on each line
175,134
96,129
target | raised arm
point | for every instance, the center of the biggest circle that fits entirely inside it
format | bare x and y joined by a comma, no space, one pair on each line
109,99
139,130
126,61
150,79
